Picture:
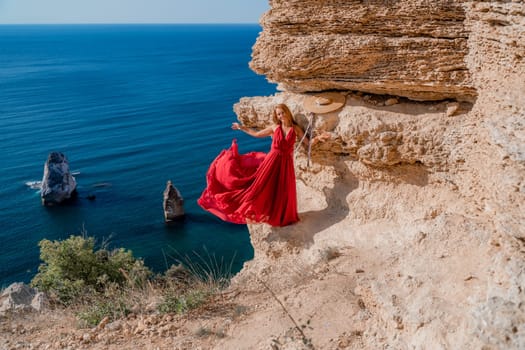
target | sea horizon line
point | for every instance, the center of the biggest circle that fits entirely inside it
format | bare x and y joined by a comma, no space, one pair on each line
130,23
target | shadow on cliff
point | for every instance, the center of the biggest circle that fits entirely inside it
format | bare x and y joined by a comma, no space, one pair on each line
405,105
311,222
301,235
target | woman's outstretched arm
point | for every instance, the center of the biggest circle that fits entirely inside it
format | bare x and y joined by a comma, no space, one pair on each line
268,131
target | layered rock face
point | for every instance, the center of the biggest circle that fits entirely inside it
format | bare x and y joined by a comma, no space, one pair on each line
418,214
411,48
497,162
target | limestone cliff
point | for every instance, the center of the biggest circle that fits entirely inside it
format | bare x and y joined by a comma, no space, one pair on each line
413,48
415,211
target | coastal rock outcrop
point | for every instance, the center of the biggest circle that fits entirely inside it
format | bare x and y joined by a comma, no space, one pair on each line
21,297
411,48
58,184
173,203
412,215
418,207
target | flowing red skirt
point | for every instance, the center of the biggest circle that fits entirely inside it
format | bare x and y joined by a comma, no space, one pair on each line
253,187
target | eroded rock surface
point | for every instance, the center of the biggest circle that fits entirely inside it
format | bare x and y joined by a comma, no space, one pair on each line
20,297
419,204
411,48
412,214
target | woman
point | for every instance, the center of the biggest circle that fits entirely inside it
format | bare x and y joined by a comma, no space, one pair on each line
256,187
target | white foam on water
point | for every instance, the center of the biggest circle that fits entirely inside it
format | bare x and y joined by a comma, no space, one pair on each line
35,185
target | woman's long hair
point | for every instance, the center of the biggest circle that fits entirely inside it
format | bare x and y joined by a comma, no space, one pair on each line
286,111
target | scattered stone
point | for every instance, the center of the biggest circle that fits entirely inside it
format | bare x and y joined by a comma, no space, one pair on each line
40,301
391,101
140,328
452,108
86,338
114,326
58,184
21,297
103,323
173,203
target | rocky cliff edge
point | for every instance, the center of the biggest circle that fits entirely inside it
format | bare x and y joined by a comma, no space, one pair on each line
412,231
412,214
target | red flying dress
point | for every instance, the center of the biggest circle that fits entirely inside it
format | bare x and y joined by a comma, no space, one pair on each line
254,187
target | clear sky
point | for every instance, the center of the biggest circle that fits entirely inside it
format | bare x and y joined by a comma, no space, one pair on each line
131,11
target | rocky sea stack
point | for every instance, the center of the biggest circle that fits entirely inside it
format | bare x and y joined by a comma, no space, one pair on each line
173,204
58,184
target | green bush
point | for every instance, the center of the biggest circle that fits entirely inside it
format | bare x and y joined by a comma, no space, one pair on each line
192,282
183,303
72,268
113,306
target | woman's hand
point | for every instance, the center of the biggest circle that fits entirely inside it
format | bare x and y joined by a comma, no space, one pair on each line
321,138
236,126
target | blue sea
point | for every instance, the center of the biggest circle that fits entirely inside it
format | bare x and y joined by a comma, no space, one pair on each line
131,107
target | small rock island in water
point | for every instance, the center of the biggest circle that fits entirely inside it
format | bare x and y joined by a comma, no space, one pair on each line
58,184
